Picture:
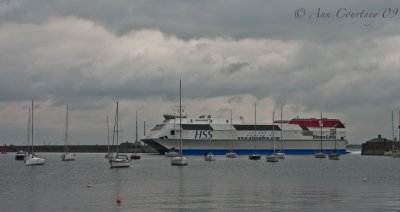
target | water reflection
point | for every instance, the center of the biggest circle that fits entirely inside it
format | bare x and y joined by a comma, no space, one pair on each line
299,183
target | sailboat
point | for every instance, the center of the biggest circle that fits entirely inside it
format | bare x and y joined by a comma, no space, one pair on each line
4,149
31,159
273,157
255,156
118,160
135,155
280,153
231,154
180,160
210,155
334,155
20,155
66,156
320,154
171,152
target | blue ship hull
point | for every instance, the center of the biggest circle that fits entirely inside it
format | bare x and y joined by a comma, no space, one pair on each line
261,152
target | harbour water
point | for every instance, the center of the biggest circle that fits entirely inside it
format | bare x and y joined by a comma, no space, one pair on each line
297,183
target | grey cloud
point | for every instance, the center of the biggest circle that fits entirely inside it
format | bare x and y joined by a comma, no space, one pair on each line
135,52
234,67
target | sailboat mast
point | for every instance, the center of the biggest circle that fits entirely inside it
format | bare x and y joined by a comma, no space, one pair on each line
273,128
255,126
66,132
180,116
136,136
108,137
320,125
116,124
209,129
28,129
32,128
281,128
392,126
392,131
232,132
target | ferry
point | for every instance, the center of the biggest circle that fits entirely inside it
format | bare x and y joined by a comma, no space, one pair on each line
204,134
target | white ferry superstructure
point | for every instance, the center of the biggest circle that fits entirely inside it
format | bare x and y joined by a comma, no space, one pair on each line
295,136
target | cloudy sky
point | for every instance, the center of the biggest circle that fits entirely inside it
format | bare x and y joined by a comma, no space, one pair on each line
341,58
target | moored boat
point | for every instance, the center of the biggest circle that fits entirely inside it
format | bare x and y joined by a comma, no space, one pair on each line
4,149
67,156
20,155
320,155
272,158
280,155
254,156
231,154
333,156
135,155
119,161
31,158
116,159
209,157
180,160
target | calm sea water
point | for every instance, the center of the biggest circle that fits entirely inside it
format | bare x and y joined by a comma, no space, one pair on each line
298,183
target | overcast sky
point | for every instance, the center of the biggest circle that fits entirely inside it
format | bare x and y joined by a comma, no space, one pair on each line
341,58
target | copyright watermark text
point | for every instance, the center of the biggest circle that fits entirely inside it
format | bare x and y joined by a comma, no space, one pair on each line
366,15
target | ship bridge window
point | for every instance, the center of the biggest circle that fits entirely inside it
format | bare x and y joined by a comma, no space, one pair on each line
196,127
251,127
158,127
172,132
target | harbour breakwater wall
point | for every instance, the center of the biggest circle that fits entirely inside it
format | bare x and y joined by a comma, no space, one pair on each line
124,148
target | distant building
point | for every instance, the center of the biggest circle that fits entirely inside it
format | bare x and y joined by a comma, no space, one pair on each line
376,146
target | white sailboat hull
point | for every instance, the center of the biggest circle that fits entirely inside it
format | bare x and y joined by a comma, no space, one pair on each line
334,157
320,155
209,157
68,157
280,155
272,158
179,161
118,163
33,160
231,155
